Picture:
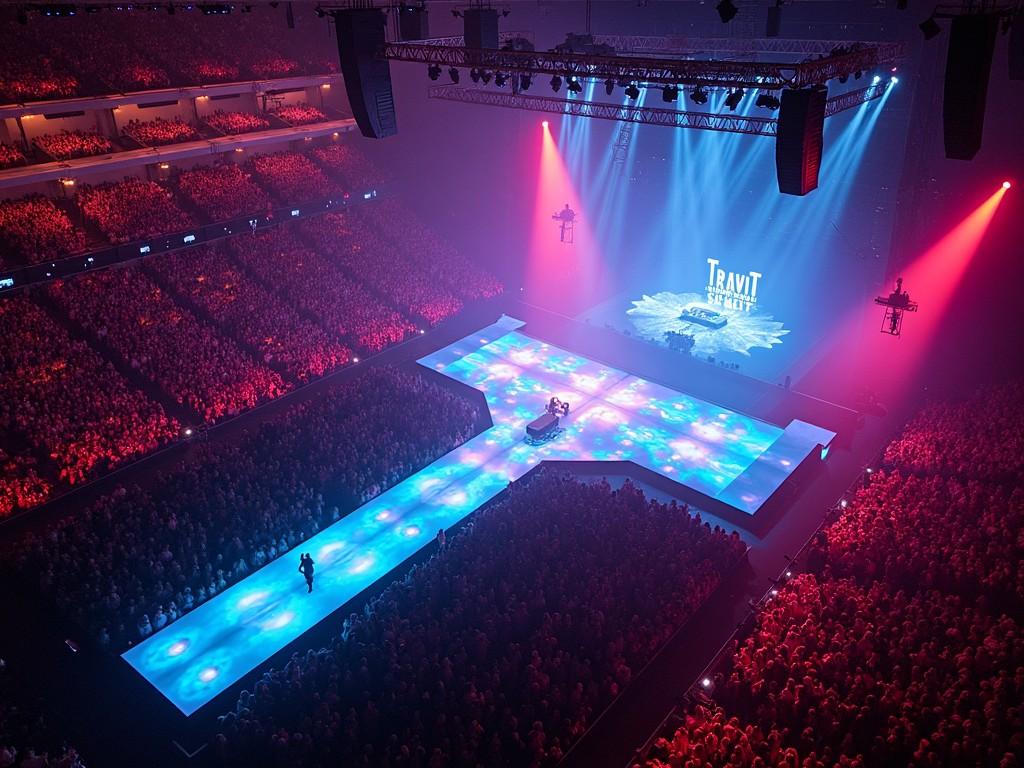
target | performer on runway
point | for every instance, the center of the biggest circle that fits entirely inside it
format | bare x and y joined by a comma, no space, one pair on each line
566,216
306,569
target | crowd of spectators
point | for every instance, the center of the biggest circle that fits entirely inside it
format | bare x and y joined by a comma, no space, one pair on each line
166,344
432,255
27,738
22,486
310,281
10,156
153,133
138,558
358,175
503,647
299,114
29,72
133,209
355,246
70,403
233,123
34,229
223,191
244,309
68,145
291,177
902,644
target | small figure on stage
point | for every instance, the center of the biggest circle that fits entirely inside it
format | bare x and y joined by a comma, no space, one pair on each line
557,408
306,569
565,217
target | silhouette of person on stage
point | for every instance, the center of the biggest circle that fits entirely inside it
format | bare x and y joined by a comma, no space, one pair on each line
306,569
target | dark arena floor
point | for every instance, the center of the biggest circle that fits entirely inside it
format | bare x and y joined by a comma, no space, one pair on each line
656,404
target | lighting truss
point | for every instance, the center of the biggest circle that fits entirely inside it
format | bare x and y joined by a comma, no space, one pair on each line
457,41
748,74
734,46
727,123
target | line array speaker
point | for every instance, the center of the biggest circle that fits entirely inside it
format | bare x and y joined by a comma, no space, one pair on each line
367,77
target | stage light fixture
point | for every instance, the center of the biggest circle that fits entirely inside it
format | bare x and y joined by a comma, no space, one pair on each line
632,92
726,11
485,76
929,28
609,86
574,86
474,75
453,73
733,99
768,101
544,124
500,78
215,9
894,79
556,83
434,71
1006,185
699,95
670,93
525,81
876,80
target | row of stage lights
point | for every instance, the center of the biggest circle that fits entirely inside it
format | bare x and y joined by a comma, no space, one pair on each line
65,10
669,93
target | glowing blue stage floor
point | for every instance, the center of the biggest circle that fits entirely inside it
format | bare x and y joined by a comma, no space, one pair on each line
615,417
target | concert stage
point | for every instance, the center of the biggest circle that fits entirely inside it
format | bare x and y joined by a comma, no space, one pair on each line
732,458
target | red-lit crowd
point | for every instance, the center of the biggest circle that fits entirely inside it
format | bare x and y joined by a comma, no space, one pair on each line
133,209
222,191
153,133
34,229
502,648
233,123
299,114
68,145
902,643
291,177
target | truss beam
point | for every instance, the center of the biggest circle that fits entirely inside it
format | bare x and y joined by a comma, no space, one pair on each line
727,123
737,74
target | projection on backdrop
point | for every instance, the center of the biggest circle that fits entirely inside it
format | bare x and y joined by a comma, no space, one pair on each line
724,319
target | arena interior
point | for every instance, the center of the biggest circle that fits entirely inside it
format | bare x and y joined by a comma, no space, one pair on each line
523,383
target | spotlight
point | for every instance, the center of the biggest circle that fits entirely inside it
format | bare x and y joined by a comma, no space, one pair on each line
670,93
632,91
556,83
1007,185
733,99
453,73
474,75
929,28
768,101
726,11
525,81
434,71
609,86
699,95
500,78
876,80
894,79
544,124
574,86
485,76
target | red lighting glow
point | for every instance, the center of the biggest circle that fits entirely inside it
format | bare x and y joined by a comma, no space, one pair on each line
1006,185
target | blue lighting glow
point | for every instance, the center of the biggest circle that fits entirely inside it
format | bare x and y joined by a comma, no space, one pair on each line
613,416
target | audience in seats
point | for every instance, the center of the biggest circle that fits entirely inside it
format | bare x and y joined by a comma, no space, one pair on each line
357,173
249,313
153,133
223,191
29,72
68,145
71,405
431,254
165,344
21,484
350,241
233,123
10,156
132,209
27,738
311,282
291,177
232,507
902,644
499,650
299,114
34,229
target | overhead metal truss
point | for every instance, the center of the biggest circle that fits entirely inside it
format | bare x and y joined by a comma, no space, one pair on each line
458,40
694,46
728,123
737,74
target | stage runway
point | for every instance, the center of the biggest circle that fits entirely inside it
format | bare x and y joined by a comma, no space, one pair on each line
615,416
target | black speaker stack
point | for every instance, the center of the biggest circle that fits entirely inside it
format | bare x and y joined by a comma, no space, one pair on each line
798,143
